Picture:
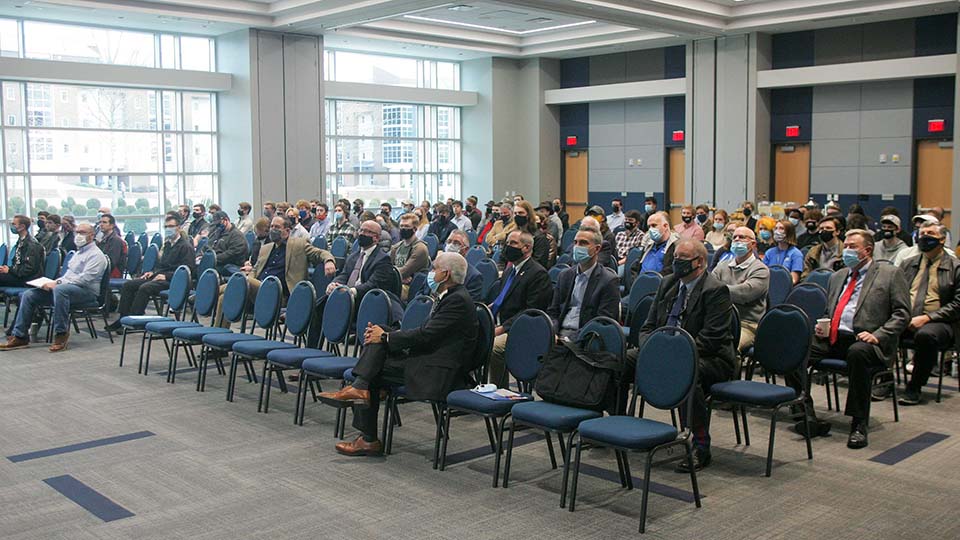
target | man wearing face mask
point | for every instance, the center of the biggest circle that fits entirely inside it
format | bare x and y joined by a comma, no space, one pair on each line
269,209
630,237
199,223
460,244
554,225
298,230
934,281
341,225
136,293
698,302
368,268
748,212
615,219
808,233
427,360
689,228
410,254
42,231
321,221
112,245
51,241
67,227
887,239
868,307
78,287
561,214
649,209
658,245
825,255
27,259
305,215
748,280
244,219
585,290
442,226
920,222
524,284
498,233
230,245
357,207
473,212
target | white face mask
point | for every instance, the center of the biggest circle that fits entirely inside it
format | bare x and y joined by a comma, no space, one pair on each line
80,240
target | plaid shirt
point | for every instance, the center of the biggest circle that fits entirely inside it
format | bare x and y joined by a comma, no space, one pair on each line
346,230
627,240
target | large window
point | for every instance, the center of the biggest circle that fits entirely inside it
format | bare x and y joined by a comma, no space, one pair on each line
346,66
70,149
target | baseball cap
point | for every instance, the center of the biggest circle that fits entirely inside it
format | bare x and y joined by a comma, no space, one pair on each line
890,218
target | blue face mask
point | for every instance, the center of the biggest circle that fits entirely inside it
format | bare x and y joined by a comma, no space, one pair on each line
717,226
738,248
765,235
648,208
581,254
794,221
303,214
208,218
14,231
338,216
655,234
851,257
169,231
432,282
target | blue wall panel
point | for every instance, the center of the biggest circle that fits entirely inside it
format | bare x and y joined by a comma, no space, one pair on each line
936,34
575,121
675,62
872,205
575,72
674,119
793,49
933,99
633,200
791,107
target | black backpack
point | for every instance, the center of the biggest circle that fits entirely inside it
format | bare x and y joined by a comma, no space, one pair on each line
576,376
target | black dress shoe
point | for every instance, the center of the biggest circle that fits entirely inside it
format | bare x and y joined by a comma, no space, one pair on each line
114,326
701,458
910,397
858,435
818,428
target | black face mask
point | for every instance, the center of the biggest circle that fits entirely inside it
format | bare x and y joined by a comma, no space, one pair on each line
629,225
240,213
616,208
521,221
197,215
556,208
469,208
384,212
683,267
928,243
747,212
505,218
811,226
364,241
275,236
406,234
826,236
687,219
887,235
512,254
701,218
442,219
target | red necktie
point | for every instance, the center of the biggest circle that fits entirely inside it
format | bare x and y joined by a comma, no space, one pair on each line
841,305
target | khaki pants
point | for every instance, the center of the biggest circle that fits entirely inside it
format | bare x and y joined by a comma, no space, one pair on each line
498,367
748,333
253,285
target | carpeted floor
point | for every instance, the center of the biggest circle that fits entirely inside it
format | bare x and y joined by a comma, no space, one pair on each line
212,469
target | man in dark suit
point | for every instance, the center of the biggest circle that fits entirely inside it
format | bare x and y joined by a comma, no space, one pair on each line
586,290
428,360
695,300
524,284
368,268
458,242
869,307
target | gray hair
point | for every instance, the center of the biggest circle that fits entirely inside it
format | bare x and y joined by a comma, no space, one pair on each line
525,237
459,234
866,236
595,235
941,229
453,263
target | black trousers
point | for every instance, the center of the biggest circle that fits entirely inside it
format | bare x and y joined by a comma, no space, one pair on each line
928,340
6,280
862,361
136,293
375,370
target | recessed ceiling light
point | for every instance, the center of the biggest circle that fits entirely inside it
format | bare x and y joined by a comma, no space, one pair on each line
461,7
540,20
495,29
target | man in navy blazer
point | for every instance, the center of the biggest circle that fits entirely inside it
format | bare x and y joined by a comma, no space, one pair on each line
368,268
586,290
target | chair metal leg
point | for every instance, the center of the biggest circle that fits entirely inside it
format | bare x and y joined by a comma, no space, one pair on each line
123,345
746,428
143,341
576,475
496,460
301,397
836,391
232,378
736,421
806,429
646,490
826,388
146,360
506,464
264,385
553,456
626,469
693,473
105,323
493,443
440,412
446,437
620,475
172,362
773,434
673,417
566,470
940,380
896,410
201,367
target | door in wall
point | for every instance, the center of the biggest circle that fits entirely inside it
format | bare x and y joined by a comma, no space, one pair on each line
676,183
935,176
575,183
791,173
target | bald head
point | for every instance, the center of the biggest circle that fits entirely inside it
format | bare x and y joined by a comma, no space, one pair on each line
744,233
590,223
693,251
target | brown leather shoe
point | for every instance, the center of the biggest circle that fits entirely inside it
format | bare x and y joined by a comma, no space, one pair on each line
59,342
347,394
360,447
13,343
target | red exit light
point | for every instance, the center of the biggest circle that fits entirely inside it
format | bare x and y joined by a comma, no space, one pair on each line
935,126
571,140
678,135
793,131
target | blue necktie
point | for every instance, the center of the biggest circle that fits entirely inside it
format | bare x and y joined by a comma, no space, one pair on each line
495,306
673,319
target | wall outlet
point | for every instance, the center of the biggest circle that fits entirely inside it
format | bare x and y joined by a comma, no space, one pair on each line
639,162
630,163
895,158
883,158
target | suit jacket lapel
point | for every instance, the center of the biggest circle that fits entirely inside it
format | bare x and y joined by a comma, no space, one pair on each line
694,295
865,288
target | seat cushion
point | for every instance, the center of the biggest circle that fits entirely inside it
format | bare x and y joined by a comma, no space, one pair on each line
164,293
752,392
138,322
116,282
166,328
195,334
260,348
331,367
294,357
226,341
628,432
468,400
551,415
833,364
14,291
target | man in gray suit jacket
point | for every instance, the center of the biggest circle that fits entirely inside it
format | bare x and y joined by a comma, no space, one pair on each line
868,306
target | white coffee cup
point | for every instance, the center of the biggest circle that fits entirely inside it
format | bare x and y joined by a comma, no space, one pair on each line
823,326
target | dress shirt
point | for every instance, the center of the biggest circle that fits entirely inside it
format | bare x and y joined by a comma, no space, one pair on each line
463,222
571,323
86,268
846,318
320,227
276,265
931,299
615,220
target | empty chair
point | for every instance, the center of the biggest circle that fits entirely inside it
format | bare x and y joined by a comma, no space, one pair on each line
163,329
555,271
627,280
781,281
646,283
433,243
809,297
250,237
130,239
417,284
472,237
156,240
820,277
150,258
566,259
207,261
319,241
475,255
144,241
566,240
488,270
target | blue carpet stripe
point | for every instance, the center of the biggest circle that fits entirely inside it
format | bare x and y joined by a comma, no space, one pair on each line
467,455
79,446
906,449
88,498
945,387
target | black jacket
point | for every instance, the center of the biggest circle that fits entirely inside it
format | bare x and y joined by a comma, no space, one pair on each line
28,260
50,242
230,247
600,299
442,232
116,250
531,289
172,256
377,273
948,285
706,317
68,243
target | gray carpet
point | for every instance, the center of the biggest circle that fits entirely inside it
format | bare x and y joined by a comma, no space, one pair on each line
221,470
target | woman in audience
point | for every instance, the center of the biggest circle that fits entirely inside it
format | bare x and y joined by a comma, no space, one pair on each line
723,253
785,253
716,235
764,230
525,220
810,235
261,228
424,222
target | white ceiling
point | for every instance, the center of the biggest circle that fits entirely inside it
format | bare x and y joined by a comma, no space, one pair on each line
518,28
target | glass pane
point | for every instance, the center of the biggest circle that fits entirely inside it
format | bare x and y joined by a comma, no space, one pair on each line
49,41
376,155
16,196
198,112
448,76
82,195
52,105
171,153
199,152
448,122
200,189
368,68
448,186
195,53
168,51
9,38
448,156
377,188
138,225
15,150
171,110
172,193
92,151
13,104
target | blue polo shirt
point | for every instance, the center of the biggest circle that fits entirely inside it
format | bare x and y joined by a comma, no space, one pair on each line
790,258
653,262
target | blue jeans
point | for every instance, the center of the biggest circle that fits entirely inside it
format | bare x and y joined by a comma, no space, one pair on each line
62,298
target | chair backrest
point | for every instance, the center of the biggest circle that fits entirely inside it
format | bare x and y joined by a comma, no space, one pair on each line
475,255
179,289
495,255
809,297
208,287
555,271
300,305
528,342
417,312
666,373
266,307
566,240
783,339
143,240
639,316
235,298
354,246
52,264
156,240
735,328
646,283
374,308
201,244
130,239
134,258
250,237
485,337
781,281
337,315
319,241
632,257
66,262
417,282
820,277
150,257
472,237
711,251
320,280
433,243
104,286
339,247
566,259
207,261
488,270
396,283
610,332
3,254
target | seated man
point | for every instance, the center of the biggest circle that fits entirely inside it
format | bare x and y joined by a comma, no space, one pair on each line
585,290
136,293
826,254
868,306
458,242
525,284
112,245
367,269
28,257
630,237
442,225
79,286
698,302
606,257
658,246
341,225
748,281
410,254
934,281
51,240
888,240
428,360
229,244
